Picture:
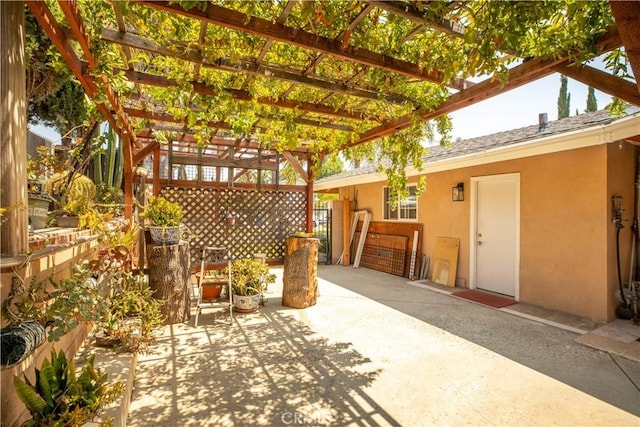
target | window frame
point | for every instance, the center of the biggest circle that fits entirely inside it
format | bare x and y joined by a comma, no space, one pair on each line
400,210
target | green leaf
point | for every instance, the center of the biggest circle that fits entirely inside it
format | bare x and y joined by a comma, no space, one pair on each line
31,399
47,383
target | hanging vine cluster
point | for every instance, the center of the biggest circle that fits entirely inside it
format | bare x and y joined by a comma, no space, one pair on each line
321,75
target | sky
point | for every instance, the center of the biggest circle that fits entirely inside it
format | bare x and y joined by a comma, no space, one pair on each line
514,109
520,107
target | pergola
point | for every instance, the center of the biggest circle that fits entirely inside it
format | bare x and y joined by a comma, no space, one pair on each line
244,86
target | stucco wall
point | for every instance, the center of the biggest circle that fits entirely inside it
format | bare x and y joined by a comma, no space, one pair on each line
621,170
567,239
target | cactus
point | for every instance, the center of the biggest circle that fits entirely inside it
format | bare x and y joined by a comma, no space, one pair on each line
76,196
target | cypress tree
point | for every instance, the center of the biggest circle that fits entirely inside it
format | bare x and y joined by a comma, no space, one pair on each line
592,103
564,99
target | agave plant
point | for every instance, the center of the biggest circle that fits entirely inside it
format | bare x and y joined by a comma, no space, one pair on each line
60,398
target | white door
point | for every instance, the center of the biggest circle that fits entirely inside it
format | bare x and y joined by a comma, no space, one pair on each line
495,234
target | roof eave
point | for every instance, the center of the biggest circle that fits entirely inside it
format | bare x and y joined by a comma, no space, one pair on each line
595,135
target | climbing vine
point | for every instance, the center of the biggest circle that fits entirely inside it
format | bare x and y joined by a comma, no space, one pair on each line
487,38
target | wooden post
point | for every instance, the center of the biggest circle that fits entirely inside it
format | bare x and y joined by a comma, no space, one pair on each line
156,171
13,131
169,279
310,174
300,277
127,154
346,232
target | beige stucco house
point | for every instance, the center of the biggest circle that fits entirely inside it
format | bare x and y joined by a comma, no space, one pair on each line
537,219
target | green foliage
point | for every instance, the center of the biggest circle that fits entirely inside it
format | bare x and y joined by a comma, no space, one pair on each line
60,305
109,200
617,107
564,99
127,310
250,277
331,165
592,102
492,37
44,67
60,398
65,109
76,193
160,212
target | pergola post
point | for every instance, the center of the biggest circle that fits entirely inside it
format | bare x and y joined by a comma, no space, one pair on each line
156,171
311,176
128,176
13,131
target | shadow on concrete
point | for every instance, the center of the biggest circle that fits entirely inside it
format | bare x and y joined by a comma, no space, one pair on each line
546,349
267,369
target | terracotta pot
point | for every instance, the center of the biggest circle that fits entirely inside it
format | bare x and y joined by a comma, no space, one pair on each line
211,292
212,286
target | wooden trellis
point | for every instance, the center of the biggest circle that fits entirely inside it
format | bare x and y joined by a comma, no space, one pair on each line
262,220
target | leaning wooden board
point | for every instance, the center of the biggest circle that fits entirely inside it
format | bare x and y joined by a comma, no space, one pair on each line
445,261
400,229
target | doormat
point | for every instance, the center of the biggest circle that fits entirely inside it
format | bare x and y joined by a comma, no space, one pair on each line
485,299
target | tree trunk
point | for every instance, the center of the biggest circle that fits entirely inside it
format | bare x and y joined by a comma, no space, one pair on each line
169,280
300,278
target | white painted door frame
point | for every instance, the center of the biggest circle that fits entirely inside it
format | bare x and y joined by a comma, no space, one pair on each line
473,239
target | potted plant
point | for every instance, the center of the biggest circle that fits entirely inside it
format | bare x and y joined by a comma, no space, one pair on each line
212,282
75,194
59,396
38,169
128,312
164,220
250,278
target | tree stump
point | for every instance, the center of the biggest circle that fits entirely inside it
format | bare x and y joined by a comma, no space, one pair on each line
300,277
169,280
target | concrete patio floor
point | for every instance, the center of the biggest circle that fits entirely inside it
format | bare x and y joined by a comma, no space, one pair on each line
376,351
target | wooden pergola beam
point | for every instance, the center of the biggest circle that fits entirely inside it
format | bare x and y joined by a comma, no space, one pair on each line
267,45
228,18
140,155
252,69
227,163
57,36
627,16
353,24
242,95
295,164
408,11
71,12
602,81
215,141
528,71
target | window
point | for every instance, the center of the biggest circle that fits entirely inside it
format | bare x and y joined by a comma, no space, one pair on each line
405,209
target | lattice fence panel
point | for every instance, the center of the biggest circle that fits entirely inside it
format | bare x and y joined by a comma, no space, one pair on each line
263,219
